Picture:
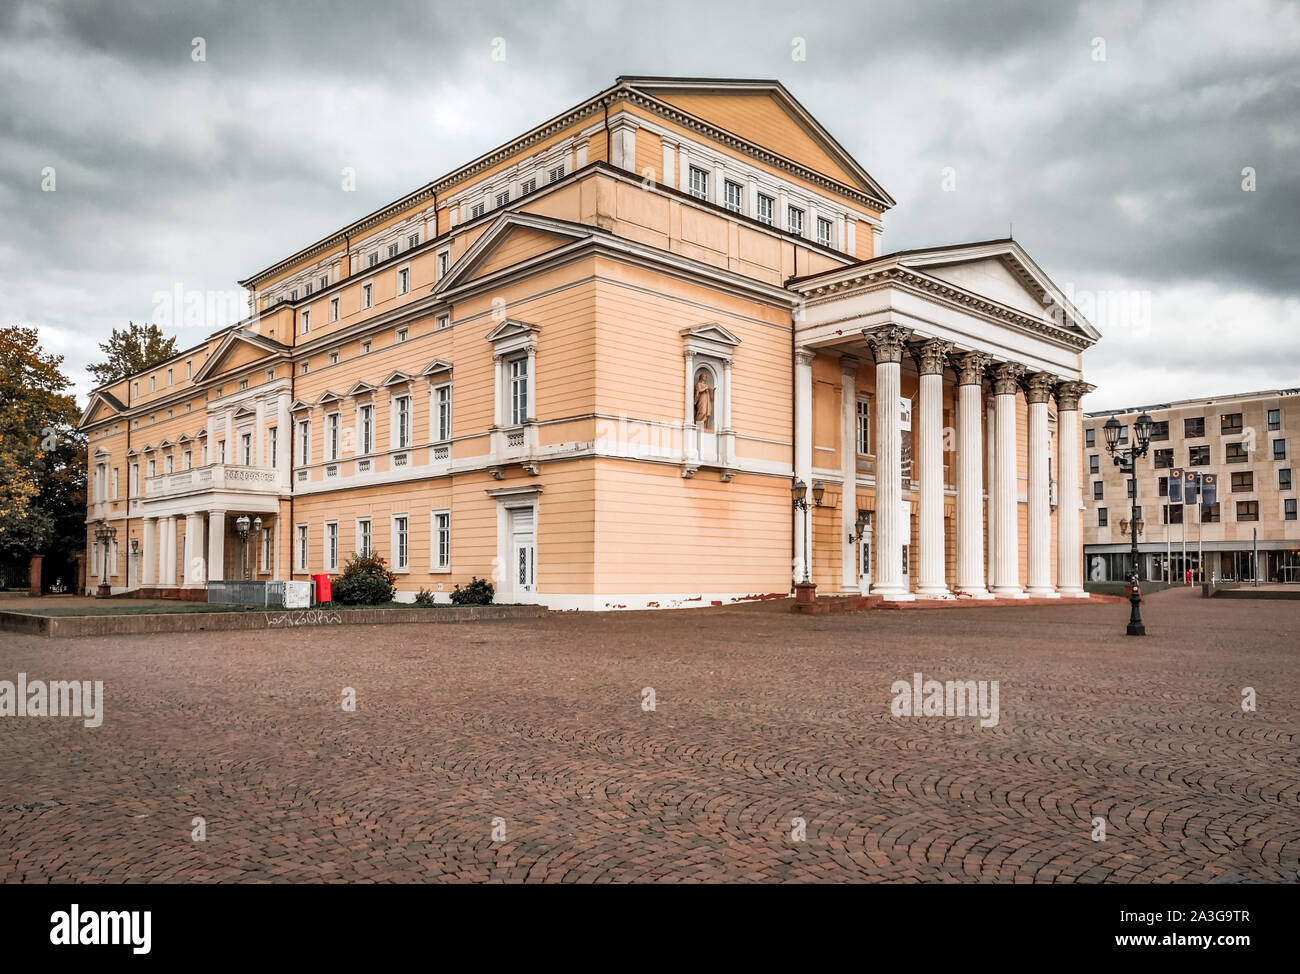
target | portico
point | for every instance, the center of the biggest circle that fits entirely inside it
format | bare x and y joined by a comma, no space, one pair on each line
951,332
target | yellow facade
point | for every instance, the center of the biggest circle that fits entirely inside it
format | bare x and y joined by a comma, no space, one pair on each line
498,375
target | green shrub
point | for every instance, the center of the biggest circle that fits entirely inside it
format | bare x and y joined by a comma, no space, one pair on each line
478,592
365,580
424,597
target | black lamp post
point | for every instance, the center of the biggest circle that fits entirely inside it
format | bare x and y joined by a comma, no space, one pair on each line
799,494
1126,459
105,533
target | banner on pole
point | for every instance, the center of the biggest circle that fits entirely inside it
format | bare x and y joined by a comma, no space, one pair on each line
1209,490
1176,485
1191,487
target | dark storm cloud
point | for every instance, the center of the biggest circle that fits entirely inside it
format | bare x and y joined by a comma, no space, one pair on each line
1122,175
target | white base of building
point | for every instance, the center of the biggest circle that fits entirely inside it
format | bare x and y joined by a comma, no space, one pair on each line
1072,593
1044,593
933,593
974,593
893,594
1009,593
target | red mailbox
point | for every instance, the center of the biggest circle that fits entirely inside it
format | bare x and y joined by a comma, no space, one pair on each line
322,588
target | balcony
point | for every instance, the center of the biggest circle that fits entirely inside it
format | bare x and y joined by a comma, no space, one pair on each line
214,476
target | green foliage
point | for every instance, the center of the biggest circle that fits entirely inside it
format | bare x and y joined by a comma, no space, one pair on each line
425,598
133,349
42,456
365,580
478,592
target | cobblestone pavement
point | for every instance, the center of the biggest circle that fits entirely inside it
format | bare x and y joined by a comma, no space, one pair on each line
761,717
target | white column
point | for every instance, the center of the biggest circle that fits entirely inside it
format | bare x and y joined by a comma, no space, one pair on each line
284,439
1039,524
849,468
168,579
803,361
931,360
216,546
1006,578
887,345
149,553
970,475
193,576
1069,550
990,485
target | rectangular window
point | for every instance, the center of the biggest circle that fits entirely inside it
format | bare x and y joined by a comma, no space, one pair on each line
1275,419
1247,510
1210,513
1192,428
1089,437
1235,453
221,451
441,322
302,547
273,445
1284,479
401,539
334,309
1163,484
304,368
442,396
555,175
1164,458
270,375
502,198
365,348
374,259
171,381
1102,517
400,336
115,483
1094,463
367,296
1288,509
864,426
794,220
293,295
189,370
1243,482
307,290
403,422
304,442
332,428
246,449
334,358
153,468
266,550
734,194
134,479
444,263
1173,513
331,546
404,281
476,210
136,392
1198,456
324,281
243,384
766,206
1160,430
168,460
392,250
528,186
413,241
153,383
367,431
1279,449
518,390
363,536
1098,490
1230,423
698,183
306,320
824,232
440,556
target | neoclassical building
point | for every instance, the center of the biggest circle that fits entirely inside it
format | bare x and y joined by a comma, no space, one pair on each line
591,363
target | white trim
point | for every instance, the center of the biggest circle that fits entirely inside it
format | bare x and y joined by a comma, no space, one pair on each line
435,568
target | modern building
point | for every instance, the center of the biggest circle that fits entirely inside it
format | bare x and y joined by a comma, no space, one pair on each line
1242,441
591,363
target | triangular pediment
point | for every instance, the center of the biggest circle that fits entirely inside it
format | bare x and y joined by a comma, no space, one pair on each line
244,412
239,349
511,328
399,378
763,114
328,396
711,332
299,405
436,367
513,239
361,389
102,405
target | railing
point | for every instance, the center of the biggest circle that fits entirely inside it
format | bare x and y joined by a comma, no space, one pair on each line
214,475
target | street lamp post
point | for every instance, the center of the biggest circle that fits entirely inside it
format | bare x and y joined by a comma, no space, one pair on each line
104,534
799,494
1126,459
242,525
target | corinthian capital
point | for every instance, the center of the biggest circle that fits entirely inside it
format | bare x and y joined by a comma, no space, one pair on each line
887,343
970,367
931,356
1006,378
1068,394
1038,387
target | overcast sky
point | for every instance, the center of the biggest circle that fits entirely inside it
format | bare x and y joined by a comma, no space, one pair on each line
1113,135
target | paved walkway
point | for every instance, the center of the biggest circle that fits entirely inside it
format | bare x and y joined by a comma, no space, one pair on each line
762,717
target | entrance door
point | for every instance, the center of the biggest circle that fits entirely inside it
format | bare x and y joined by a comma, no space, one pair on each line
523,553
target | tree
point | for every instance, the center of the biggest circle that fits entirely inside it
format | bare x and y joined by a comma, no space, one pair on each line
42,456
133,349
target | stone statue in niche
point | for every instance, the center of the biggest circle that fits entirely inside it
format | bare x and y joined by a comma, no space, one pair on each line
704,399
